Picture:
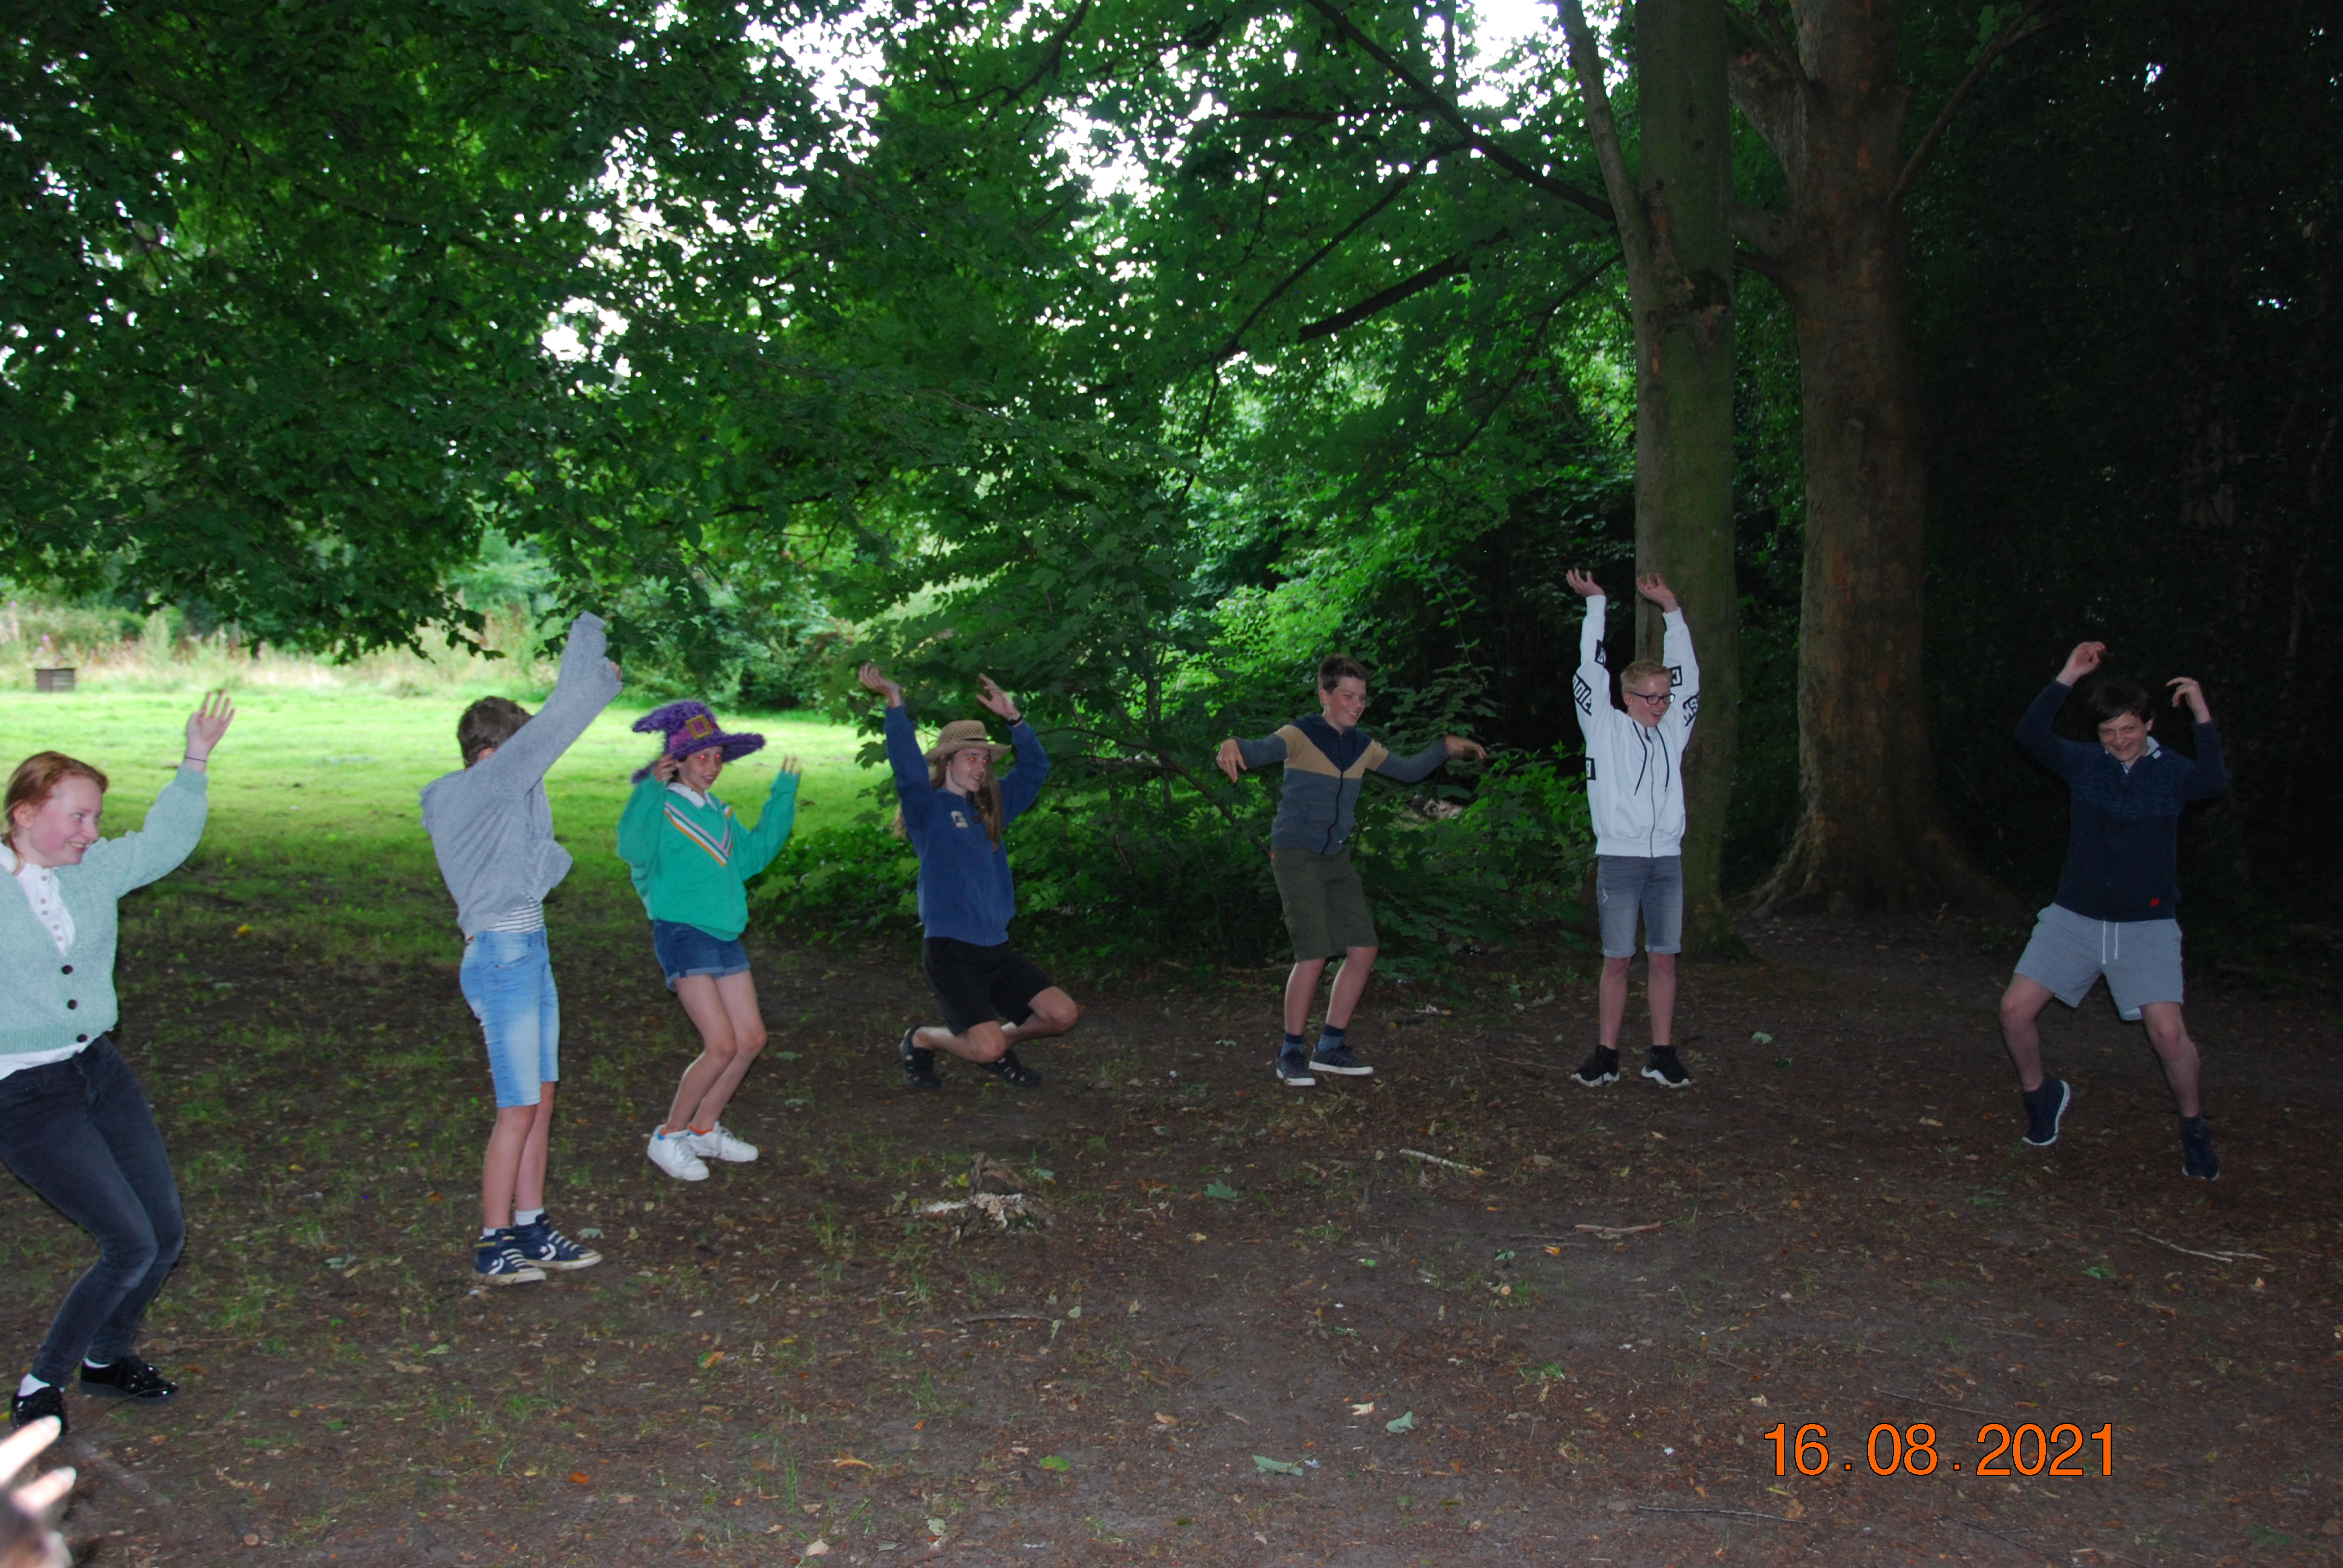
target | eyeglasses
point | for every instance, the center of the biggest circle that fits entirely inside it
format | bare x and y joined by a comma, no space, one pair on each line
1657,698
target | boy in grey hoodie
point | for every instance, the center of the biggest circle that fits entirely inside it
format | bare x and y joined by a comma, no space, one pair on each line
492,831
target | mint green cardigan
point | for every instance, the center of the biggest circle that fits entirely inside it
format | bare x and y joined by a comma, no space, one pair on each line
54,1002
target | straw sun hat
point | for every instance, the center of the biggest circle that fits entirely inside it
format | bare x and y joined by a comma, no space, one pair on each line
964,735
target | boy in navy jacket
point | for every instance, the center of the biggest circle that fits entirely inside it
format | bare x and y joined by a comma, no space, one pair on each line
2117,909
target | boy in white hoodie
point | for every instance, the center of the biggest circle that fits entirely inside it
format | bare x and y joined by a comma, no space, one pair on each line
1634,789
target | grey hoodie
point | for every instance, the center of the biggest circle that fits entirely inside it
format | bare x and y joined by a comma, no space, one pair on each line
491,824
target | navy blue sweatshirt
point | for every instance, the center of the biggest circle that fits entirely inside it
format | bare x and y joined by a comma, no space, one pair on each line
965,888
2122,847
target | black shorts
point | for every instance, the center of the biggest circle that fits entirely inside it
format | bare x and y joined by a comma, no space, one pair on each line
977,985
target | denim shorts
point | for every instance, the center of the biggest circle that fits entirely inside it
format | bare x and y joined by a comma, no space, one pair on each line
1651,885
508,977
2141,958
685,949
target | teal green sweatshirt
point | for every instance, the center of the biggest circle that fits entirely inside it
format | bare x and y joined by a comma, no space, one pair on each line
691,862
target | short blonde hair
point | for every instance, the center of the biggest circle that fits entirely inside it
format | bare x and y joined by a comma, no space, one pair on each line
1643,669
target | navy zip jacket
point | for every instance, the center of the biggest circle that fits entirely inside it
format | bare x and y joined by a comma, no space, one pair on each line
2123,848
1325,768
965,890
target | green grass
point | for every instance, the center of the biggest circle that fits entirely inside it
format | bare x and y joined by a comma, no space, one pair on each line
315,840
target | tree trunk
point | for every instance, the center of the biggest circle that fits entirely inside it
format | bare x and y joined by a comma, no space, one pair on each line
1871,831
1675,228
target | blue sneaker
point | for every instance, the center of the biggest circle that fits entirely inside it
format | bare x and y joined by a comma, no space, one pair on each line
2044,1109
547,1248
1339,1060
498,1261
2197,1156
1293,1071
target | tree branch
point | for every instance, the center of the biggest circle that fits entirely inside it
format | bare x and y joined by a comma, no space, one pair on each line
1053,56
2021,27
1474,137
1391,193
1586,64
1528,356
1383,299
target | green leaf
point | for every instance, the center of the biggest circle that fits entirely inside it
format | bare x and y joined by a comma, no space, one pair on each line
1264,1465
1401,1423
1219,1190
1057,1462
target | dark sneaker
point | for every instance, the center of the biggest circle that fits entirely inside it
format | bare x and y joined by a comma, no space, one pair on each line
127,1377
1008,1070
1293,1071
24,1409
2044,1109
1663,1069
499,1262
1597,1070
547,1248
2197,1156
919,1064
1339,1062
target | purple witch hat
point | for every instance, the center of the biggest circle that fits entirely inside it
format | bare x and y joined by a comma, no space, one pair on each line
691,727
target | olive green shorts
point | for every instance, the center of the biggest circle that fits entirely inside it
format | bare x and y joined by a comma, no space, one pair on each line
1325,906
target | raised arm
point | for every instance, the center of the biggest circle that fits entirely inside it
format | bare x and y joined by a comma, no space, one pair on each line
1021,786
914,786
1590,687
175,822
2034,733
758,847
1675,651
587,683
2211,774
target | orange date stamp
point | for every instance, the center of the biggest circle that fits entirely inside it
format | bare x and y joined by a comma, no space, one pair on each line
2028,1449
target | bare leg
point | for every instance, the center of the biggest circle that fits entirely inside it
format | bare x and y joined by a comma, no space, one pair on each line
1350,985
1660,984
2169,1033
2021,1031
1611,1002
1054,1012
732,1033
1301,991
513,1171
983,1042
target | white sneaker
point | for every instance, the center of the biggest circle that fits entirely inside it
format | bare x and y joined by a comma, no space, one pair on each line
717,1144
674,1155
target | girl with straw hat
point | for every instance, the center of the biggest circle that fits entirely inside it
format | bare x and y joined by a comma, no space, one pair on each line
955,808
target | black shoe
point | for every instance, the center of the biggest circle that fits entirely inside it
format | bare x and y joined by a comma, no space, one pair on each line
2044,1109
1597,1070
919,1064
1293,1071
2197,1156
1008,1070
24,1409
1663,1069
127,1377
1340,1062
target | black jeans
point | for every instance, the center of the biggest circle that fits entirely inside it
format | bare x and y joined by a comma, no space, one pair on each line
79,1133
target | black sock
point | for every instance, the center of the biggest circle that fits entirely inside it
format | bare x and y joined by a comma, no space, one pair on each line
1329,1038
2192,1123
1293,1044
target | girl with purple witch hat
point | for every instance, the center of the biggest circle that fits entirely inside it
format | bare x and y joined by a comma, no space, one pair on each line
690,862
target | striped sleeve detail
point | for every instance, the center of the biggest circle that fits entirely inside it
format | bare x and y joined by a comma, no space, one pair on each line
718,849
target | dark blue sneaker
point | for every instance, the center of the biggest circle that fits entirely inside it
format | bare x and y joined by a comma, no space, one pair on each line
498,1261
547,1248
1293,1071
1339,1062
24,1409
2044,1109
2197,1156
127,1377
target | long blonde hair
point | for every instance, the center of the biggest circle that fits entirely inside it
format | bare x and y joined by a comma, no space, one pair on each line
985,802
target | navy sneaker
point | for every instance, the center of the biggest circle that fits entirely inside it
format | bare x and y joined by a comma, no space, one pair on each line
1597,1070
498,1261
1008,1070
547,1248
2044,1109
918,1063
1339,1062
1293,1071
2197,1156
24,1409
127,1377
1663,1069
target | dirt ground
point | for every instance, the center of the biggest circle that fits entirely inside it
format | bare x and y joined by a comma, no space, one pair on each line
1260,1327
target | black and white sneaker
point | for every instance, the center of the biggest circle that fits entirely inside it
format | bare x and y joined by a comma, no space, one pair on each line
1663,1069
1597,1070
2197,1156
127,1377
24,1409
498,1261
918,1063
1339,1062
2046,1108
547,1248
1293,1071
1008,1070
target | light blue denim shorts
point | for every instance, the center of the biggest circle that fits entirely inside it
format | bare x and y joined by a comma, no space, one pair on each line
1649,885
508,977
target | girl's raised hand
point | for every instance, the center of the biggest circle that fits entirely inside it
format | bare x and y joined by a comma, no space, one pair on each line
208,723
989,692
789,765
874,677
666,767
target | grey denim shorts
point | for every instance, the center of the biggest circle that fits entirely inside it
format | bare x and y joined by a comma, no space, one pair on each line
1648,885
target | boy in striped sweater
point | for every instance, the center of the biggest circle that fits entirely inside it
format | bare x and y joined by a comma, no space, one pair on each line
691,862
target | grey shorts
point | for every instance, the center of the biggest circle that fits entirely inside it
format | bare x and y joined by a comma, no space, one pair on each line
1652,885
2069,953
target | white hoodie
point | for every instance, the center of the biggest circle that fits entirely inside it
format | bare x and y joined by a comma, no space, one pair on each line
1634,773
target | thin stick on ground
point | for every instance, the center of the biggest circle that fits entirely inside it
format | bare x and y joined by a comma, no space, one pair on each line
1611,1233
1727,1513
2191,1252
1443,1164
1931,1403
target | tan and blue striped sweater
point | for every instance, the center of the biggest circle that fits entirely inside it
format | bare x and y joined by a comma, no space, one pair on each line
1325,768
